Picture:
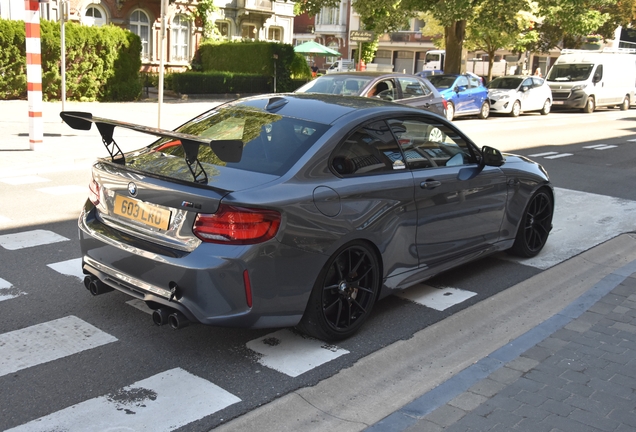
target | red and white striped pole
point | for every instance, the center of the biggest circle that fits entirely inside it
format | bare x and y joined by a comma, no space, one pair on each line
34,71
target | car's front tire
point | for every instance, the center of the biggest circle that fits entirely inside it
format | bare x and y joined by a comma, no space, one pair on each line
516,109
590,105
535,225
625,105
546,107
344,293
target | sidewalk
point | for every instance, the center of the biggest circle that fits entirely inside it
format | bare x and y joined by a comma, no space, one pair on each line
64,148
556,352
576,371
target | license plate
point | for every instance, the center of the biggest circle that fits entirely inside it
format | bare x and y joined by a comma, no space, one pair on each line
557,102
143,212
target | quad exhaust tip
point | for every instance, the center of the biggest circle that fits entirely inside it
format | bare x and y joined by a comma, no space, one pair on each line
95,286
176,319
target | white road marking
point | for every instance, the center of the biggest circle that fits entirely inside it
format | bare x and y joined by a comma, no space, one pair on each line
7,291
543,154
64,190
436,298
581,221
48,341
293,354
631,140
560,155
163,402
141,305
29,239
72,267
600,146
22,180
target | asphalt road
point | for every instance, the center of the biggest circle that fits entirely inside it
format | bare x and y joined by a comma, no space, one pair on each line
111,348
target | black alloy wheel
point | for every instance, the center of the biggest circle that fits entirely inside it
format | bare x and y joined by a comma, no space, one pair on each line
535,226
343,295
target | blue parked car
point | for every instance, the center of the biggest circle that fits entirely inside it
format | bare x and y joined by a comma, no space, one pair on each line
465,94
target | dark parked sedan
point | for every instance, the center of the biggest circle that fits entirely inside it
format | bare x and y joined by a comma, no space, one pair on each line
299,209
396,87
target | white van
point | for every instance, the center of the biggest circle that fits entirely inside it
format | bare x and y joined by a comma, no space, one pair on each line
342,66
589,79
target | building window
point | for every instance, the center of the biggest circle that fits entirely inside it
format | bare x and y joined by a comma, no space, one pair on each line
334,46
94,16
248,31
180,38
329,16
140,25
275,34
224,28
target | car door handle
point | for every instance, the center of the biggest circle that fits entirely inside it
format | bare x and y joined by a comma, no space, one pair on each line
430,184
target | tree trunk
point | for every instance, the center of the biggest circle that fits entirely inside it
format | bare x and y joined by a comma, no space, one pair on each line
455,35
491,61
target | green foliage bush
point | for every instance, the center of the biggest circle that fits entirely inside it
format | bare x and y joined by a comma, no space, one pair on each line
220,82
251,57
102,63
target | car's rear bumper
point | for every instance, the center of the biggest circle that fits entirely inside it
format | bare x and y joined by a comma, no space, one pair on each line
210,281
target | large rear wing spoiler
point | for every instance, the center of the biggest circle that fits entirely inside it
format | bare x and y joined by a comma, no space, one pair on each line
226,150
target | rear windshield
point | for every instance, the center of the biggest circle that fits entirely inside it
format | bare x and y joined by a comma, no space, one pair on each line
348,85
271,143
504,83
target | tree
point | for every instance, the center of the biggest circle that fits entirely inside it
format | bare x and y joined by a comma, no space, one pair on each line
501,24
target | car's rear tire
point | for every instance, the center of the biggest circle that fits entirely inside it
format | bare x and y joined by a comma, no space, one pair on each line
546,107
516,109
450,111
535,225
344,293
590,105
625,105
484,112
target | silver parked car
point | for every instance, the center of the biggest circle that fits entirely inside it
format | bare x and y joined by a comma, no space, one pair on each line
299,209
396,87
516,94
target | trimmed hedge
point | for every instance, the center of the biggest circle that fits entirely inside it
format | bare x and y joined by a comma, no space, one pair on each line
250,57
220,82
102,63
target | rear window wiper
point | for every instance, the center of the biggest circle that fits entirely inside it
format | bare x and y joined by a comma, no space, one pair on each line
225,150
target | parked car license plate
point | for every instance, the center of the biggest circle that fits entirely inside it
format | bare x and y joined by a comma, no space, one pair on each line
143,212
557,102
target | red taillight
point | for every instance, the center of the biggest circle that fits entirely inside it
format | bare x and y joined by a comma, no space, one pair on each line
237,225
93,192
445,102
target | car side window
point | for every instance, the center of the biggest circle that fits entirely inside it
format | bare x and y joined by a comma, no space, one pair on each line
527,83
412,87
370,149
462,81
474,81
427,144
538,82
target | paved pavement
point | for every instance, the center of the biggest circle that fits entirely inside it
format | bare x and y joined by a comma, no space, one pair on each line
556,352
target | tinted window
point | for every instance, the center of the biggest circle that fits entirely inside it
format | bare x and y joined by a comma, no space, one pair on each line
412,87
271,143
504,83
570,72
339,84
428,145
370,149
442,81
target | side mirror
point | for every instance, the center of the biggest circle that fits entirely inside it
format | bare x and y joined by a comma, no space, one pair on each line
460,89
596,78
524,89
492,157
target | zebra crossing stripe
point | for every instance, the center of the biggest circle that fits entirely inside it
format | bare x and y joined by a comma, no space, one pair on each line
436,298
163,402
600,146
23,180
4,219
292,353
29,239
7,291
48,341
63,190
543,154
72,267
560,155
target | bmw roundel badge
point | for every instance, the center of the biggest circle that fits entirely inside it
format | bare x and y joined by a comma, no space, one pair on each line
132,189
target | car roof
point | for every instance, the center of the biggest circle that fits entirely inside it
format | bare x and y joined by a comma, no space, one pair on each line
372,74
320,108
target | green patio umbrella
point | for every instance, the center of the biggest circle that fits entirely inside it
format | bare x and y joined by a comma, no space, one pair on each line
311,47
